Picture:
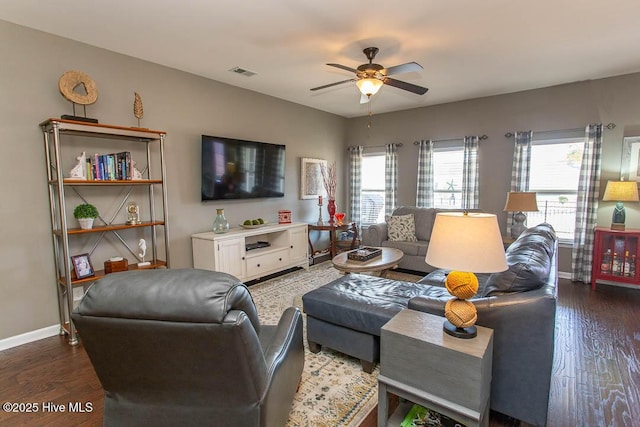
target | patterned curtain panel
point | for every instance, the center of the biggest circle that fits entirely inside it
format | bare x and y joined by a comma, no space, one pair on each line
587,205
470,174
355,186
424,193
521,166
391,178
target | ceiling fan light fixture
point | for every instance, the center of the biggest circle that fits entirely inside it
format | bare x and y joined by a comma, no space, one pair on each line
369,86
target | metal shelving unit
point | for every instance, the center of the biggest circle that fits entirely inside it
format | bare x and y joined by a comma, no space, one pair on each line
55,131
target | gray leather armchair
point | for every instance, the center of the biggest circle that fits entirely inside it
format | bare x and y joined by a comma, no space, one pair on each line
185,347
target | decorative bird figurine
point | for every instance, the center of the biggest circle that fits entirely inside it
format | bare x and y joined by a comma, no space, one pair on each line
137,107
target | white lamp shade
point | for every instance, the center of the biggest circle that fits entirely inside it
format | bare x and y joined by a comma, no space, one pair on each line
466,242
369,86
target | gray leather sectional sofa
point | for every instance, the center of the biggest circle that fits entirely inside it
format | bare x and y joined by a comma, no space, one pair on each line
518,304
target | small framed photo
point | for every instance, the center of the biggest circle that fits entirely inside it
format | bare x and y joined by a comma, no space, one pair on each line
82,266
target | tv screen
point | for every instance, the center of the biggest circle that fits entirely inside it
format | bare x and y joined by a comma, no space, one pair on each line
239,169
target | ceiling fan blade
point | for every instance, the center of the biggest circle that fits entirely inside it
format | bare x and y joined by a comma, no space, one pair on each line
332,84
343,67
404,68
419,90
364,98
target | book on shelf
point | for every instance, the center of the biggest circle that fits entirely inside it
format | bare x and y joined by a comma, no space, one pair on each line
109,167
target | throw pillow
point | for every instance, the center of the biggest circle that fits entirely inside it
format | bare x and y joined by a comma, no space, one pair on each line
401,228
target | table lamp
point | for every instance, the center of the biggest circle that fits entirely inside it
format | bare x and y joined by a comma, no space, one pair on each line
466,243
519,202
620,191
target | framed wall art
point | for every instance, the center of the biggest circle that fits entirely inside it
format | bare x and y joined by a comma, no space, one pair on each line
311,184
630,166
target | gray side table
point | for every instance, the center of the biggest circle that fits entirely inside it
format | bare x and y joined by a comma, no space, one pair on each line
420,363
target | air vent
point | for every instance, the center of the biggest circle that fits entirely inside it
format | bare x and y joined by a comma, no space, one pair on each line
242,71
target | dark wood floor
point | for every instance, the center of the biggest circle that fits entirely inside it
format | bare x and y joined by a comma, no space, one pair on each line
596,375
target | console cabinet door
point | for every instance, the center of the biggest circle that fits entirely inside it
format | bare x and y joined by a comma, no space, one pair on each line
229,257
299,244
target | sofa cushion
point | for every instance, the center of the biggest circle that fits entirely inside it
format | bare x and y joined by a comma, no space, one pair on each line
423,219
364,303
529,259
418,248
401,228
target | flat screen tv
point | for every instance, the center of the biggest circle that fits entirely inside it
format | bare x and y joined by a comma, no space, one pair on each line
240,169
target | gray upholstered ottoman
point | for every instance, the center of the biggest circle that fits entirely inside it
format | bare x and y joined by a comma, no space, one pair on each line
347,314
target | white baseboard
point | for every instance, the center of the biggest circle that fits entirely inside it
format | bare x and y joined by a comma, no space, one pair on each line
564,275
28,337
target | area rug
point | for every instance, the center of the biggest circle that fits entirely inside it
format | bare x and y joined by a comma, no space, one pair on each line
334,391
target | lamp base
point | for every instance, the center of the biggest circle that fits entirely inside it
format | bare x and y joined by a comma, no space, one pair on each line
617,226
464,333
518,224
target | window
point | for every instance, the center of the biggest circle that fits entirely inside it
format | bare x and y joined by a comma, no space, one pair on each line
555,171
447,176
372,189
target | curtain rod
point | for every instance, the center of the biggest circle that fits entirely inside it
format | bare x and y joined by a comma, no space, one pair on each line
481,137
353,147
609,126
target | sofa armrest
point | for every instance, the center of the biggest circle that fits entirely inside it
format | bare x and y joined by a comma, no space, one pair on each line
374,235
431,305
284,356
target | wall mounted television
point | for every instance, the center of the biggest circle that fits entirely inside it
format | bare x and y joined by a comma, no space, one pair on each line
240,169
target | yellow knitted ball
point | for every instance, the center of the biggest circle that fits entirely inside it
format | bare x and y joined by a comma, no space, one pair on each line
460,313
462,284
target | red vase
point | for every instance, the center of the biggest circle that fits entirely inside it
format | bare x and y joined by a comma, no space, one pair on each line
331,207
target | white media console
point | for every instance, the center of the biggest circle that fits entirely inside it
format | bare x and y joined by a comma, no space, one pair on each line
277,248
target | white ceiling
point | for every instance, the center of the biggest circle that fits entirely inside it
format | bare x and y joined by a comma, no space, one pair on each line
468,48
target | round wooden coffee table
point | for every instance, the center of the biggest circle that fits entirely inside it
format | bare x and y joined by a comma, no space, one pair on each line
389,259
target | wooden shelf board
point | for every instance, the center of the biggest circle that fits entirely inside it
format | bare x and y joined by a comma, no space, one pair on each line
102,130
80,182
100,273
112,227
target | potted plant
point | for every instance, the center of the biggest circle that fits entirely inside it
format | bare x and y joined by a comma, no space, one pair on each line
85,214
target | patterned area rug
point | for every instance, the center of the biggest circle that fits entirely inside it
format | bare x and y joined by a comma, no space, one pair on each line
334,391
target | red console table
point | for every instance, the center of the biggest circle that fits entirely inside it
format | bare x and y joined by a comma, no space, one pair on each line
615,255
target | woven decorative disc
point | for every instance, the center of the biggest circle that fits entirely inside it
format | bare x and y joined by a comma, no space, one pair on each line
71,80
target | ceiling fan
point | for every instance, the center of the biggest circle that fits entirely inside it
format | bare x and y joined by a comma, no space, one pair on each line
370,77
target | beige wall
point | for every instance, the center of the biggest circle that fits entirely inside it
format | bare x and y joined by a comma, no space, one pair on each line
183,105
568,106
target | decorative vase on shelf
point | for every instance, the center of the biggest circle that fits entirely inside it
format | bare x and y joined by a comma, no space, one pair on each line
220,224
331,207
85,223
